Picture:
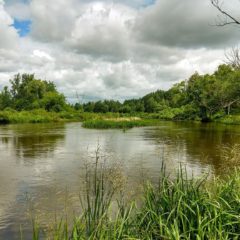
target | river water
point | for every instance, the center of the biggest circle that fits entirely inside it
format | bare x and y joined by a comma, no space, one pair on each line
41,164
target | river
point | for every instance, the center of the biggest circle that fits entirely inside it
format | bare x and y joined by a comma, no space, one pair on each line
41,164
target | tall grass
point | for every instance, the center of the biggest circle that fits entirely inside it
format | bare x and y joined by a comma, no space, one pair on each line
122,124
38,116
176,208
229,119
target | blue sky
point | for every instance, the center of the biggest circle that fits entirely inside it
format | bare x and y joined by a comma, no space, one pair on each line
22,26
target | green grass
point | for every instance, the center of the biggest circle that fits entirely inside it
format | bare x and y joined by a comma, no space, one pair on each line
40,116
35,116
117,123
176,208
229,119
8,116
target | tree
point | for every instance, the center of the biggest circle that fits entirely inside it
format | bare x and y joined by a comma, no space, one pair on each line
226,17
5,98
26,93
229,86
150,105
203,92
88,107
100,107
233,58
53,101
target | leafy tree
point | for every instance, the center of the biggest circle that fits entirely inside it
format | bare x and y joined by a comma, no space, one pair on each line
53,101
229,86
125,109
112,106
100,107
5,98
88,107
151,105
26,93
78,107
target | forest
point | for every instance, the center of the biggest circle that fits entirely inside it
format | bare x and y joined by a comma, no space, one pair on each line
201,97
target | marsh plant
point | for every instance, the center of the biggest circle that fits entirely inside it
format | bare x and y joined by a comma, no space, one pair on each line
176,207
231,154
102,183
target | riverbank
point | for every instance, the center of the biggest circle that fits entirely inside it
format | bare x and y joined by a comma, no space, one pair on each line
177,208
229,119
99,120
10,116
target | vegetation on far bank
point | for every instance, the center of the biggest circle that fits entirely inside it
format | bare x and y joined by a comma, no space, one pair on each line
209,97
206,97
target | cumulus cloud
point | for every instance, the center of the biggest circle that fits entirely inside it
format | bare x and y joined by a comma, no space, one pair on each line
188,24
9,36
18,10
106,32
111,50
52,20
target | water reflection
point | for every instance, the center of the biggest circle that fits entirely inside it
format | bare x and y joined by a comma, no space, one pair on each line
32,141
46,161
196,144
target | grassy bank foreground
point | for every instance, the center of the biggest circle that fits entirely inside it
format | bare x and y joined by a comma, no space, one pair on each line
176,208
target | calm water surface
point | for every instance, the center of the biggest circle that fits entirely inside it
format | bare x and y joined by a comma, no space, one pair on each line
41,165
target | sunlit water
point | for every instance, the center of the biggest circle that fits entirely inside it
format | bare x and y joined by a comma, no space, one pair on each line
41,165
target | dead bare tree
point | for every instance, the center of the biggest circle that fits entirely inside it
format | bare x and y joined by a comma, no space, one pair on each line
226,18
233,57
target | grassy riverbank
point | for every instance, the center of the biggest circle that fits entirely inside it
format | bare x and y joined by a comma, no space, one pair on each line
35,116
176,208
10,116
98,120
230,119
42,116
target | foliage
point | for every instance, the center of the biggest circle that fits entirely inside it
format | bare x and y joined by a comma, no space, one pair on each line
177,207
27,93
200,97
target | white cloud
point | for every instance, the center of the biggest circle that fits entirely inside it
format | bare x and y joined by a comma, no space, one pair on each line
51,20
19,10
9,36
188,24
103,30
105,50
42,54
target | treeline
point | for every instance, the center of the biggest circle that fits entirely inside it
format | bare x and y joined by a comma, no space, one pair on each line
200,97
28,93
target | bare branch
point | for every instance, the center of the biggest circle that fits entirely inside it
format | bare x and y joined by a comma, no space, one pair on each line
233,57
229,19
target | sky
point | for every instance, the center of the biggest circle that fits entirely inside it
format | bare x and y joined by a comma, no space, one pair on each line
109,49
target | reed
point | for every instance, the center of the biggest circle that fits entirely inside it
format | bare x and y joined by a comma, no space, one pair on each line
113,124
178,207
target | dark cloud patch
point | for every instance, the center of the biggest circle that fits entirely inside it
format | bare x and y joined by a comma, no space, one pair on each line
186,24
